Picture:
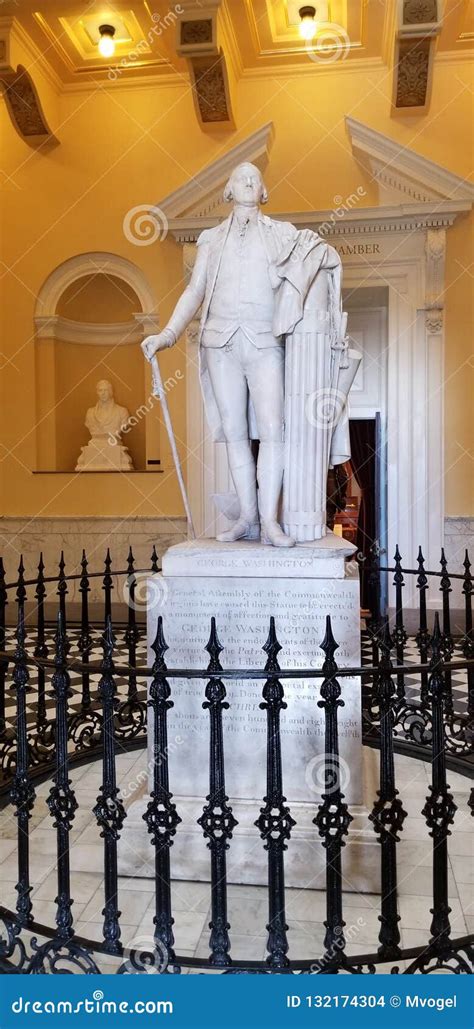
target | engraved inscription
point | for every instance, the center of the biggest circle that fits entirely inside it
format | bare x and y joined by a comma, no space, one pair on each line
242,608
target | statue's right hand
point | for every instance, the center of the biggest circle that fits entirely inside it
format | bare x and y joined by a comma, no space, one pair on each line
152,344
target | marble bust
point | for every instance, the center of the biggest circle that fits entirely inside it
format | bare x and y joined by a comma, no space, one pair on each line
105,422
274,362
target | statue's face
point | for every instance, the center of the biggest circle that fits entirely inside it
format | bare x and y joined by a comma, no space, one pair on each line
104,390
247,184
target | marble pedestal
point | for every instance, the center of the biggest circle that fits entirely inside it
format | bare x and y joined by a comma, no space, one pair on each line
101,456
242,585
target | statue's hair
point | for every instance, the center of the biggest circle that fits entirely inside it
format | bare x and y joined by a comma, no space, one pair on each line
228,195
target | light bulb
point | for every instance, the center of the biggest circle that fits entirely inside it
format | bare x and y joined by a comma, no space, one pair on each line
106,41
307,24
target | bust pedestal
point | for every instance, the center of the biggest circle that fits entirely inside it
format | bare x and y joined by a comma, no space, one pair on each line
242,585
100,456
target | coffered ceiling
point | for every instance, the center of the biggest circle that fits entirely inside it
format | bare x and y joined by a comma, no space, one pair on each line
256,36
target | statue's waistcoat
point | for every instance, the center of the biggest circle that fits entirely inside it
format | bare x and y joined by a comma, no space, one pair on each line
240,294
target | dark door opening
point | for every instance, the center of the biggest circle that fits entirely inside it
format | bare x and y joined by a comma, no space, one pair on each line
359,480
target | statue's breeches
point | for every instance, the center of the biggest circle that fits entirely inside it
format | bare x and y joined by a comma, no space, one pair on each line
240,369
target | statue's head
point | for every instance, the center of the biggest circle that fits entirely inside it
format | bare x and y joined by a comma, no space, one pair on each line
246,186
104,390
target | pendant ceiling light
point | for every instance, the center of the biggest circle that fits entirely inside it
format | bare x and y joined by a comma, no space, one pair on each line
308,23
106,41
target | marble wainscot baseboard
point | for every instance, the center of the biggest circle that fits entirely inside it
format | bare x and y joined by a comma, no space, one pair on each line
30,536
458,537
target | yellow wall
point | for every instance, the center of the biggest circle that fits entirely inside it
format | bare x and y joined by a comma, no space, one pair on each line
98,298
124,147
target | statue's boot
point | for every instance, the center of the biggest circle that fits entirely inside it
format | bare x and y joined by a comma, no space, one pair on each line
270,479
241,530
242,467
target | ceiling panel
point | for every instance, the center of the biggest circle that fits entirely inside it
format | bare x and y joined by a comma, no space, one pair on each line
262,35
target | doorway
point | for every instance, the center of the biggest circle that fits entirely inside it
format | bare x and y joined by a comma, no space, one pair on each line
361,480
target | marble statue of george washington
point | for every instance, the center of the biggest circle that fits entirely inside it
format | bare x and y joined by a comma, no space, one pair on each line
261,282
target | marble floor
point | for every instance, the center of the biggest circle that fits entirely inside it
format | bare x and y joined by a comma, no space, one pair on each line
247,904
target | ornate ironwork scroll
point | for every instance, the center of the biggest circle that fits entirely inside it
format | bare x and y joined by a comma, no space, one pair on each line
422,636
217,820
107,586
3,662
439,812
22,793
275,822
41,649
468,640
132,633
62,802
161,816
447,639
333,818
109,810
387,814
399,634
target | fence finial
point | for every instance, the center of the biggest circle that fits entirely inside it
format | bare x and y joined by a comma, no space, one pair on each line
214,648
154,561
272,648
467,569
329,645
436,643
20,588
422,579
3,589
445,581
159,645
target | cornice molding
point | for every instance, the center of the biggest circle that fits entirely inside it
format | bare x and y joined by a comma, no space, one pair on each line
194,198
454,56
294,69
142,82
367,221
101,334
387,158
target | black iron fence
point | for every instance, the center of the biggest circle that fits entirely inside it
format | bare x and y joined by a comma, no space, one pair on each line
99,704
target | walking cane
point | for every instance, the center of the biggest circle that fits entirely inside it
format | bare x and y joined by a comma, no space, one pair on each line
159,391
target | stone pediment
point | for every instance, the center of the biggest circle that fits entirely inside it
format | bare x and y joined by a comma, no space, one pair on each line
202,195
413,192
401,174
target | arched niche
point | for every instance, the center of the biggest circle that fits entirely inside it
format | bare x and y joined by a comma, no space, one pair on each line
91,314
